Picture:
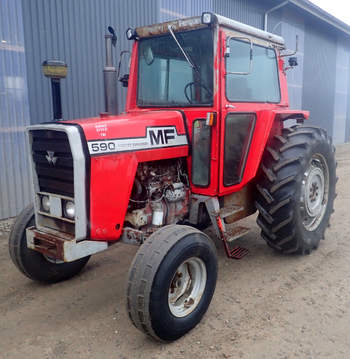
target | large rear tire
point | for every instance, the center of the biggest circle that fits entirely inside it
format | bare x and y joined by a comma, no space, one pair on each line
171,282
32,263
296,189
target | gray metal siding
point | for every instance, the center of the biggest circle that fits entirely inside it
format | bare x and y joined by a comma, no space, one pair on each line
73,31
347,126
175,9
319,73
15,189
249,12
292,26
341,91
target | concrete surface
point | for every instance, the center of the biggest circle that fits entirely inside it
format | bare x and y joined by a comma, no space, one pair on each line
265,305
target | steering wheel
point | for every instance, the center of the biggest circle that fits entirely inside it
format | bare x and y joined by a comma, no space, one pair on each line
195,83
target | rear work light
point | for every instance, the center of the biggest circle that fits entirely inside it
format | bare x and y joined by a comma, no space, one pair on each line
207,18
131,34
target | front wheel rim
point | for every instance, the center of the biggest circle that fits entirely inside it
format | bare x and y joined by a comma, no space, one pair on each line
314,193
187,287
53,260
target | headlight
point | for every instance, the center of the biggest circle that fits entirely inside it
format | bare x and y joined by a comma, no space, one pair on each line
45,203
69,210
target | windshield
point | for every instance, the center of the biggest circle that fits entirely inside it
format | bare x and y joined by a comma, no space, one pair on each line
165,78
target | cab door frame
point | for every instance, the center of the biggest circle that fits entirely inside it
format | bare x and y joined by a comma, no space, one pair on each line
260,131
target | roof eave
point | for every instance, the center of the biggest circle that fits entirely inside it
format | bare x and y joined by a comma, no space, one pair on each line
321,14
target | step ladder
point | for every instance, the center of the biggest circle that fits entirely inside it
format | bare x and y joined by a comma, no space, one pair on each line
230,235
217,216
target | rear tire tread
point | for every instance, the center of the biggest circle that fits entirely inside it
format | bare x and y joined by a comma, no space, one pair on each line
285,157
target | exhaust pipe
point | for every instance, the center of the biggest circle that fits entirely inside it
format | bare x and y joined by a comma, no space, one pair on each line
110,75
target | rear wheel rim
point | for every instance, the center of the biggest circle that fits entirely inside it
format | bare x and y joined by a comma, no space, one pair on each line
187,287
314,193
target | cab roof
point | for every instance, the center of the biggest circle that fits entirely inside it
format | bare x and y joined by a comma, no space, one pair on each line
196,22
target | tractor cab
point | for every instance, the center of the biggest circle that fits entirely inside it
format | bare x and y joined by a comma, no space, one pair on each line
225,77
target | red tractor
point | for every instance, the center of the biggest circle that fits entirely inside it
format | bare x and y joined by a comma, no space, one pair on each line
202,142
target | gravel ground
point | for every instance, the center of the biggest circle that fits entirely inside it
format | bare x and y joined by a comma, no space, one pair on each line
265,305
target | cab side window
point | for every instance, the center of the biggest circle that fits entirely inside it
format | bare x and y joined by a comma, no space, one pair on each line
201,144
239,129
262,84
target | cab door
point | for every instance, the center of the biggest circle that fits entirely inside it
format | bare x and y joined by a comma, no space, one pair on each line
249,92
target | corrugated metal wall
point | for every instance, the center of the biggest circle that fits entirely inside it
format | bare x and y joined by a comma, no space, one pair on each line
341,91
320,52
347,127
73,31
249,12
292,25
175,9
15,191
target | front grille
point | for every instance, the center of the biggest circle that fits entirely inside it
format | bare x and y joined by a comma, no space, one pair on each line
57,177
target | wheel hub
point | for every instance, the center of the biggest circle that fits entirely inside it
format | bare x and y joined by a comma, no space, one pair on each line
187,287
314,191
314,196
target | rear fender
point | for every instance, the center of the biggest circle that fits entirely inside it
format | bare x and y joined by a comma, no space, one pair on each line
283,115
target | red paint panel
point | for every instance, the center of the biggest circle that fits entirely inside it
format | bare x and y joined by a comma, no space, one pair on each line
112,178
129,125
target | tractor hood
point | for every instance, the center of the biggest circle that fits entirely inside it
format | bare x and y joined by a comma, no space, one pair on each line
133,131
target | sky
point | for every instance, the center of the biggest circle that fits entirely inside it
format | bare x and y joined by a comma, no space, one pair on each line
338,8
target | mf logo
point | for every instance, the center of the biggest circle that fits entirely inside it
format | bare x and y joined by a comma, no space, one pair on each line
161,136
51,157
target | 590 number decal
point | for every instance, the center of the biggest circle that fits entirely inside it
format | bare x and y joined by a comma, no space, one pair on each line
102,146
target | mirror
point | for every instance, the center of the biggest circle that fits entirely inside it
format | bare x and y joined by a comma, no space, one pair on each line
148,55
114,35
239,54
125,78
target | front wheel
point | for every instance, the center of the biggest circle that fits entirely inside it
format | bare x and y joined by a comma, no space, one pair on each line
33,264
296,189
171,282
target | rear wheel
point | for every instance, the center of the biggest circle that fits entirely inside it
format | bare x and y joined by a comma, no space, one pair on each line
32,263
171,282
296,189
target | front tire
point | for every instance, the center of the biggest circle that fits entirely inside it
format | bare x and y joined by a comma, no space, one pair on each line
171,282
32,263
296,189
